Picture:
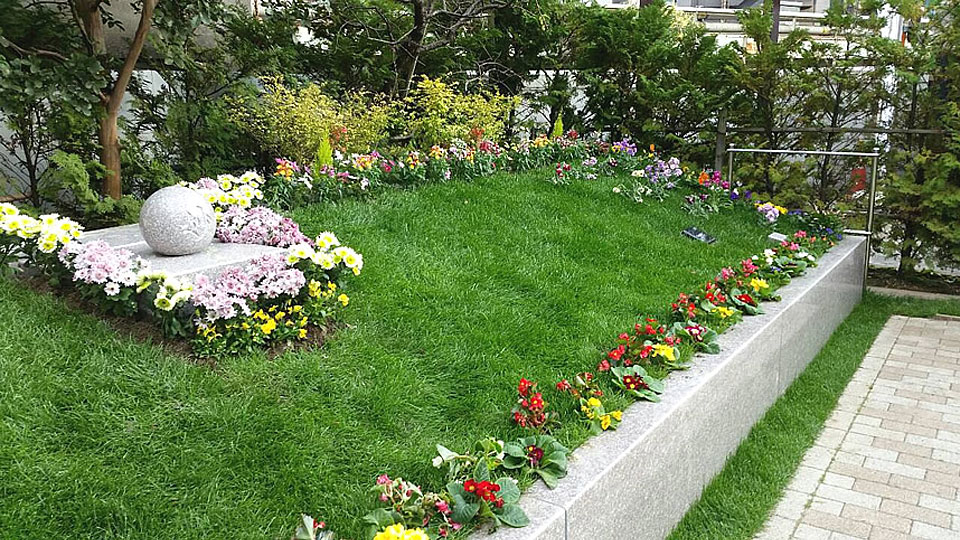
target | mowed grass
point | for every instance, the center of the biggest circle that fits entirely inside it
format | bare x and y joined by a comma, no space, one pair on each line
739,500
467,287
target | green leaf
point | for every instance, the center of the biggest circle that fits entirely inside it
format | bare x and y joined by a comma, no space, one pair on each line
548,477
380,518
481,472
514,449
464,513
509,491
513,515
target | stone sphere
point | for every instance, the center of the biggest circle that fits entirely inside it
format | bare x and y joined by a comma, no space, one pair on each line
177,221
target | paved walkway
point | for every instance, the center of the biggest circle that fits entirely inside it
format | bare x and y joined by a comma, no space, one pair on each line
887,464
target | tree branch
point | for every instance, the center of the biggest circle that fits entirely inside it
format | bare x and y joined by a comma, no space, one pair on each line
136,47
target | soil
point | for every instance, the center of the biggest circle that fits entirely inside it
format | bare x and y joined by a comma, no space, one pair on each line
144,331
918,281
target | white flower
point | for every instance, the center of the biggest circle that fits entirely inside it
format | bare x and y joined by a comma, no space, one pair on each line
112,289
437,462
327,240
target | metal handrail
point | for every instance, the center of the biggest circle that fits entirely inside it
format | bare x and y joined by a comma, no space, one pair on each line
875,155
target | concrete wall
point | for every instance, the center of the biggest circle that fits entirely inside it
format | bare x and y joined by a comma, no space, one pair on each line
638,482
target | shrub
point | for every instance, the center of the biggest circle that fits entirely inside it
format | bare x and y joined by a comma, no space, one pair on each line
437,115
67,186
295,122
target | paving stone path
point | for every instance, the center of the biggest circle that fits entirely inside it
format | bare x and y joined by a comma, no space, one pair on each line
887,464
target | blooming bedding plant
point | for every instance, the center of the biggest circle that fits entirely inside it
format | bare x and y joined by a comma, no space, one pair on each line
33,242
275,300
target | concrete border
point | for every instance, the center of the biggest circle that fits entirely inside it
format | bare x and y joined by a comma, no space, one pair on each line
638,482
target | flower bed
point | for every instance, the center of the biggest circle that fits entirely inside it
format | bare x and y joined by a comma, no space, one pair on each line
266,304
634,367
274,301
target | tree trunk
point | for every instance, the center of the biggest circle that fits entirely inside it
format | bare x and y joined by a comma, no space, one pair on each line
110,155
109,140
408,51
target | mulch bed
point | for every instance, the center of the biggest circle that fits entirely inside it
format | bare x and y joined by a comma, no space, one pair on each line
918,281
144,331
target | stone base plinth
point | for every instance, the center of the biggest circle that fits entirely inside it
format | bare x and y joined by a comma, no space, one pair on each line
217,257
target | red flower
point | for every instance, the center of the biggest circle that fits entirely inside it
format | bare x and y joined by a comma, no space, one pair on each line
604,365
616,353
524,387
535,455
747,299
563,385
536,402
624,336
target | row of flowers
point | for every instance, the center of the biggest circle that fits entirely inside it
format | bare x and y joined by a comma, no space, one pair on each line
482,483
574,157
276,299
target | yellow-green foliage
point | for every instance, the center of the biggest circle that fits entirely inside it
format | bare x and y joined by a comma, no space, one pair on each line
296,122
557,127
436,114
324,153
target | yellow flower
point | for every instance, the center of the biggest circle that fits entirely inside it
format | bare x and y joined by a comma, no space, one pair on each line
664,350
280,315
617,415
593,402
605,422
393,532
314,288
343,299
415,534
758,284
268,326
723,311
303,333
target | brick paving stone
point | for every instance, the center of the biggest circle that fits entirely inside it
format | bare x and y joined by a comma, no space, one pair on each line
887,464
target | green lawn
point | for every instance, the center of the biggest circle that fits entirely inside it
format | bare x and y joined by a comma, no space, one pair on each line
466,288
737,502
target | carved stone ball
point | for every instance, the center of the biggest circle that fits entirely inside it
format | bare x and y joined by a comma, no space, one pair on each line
177,221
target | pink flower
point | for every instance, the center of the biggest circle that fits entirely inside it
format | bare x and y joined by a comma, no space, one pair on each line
443,507
383,479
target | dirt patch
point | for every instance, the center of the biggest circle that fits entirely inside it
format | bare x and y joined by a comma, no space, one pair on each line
144,331
919,281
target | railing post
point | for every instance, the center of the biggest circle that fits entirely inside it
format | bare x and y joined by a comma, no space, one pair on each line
870,211
721,140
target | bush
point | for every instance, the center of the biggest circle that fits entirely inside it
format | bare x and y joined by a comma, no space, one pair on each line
437,115
67,187
295,122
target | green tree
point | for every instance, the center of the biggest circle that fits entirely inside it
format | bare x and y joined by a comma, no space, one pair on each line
921,195
848,90
773,85
67,58
652,74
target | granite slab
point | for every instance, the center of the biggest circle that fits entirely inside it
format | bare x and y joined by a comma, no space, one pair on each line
217,257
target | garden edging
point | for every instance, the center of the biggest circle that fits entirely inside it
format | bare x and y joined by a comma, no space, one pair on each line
638,481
